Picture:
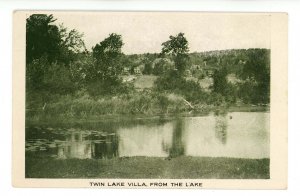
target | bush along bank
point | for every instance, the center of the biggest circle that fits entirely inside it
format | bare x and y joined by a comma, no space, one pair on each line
169,96
82,105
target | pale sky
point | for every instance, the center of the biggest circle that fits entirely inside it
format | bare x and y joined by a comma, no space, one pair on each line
144,32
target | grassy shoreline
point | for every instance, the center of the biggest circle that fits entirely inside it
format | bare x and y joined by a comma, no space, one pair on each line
183,167
44,119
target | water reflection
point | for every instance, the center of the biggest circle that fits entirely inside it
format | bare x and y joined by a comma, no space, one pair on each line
242,135
221,127
142,140
107,148
177,146
74,147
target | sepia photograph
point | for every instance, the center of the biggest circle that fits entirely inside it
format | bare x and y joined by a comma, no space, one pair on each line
146,96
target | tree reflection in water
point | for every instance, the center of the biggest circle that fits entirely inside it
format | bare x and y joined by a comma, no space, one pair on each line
214,135
177,146
77,146
221,126
107,148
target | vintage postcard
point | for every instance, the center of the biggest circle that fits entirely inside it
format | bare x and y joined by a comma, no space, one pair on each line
150,100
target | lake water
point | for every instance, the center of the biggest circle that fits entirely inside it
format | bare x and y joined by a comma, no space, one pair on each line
236,134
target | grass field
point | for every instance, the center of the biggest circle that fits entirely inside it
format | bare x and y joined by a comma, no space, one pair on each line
149,167
147,81
144,81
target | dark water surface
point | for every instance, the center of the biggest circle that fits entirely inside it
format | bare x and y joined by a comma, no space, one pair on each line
236,134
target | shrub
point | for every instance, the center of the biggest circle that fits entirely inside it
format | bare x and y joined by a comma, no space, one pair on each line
108,87
173,83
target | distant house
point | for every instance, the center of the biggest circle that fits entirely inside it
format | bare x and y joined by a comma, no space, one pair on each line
209,71
126,71
137,71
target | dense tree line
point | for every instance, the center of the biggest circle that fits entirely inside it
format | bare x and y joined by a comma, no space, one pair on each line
57,62
50,52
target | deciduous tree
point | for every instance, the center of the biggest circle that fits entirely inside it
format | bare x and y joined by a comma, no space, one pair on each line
104,74
177,47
